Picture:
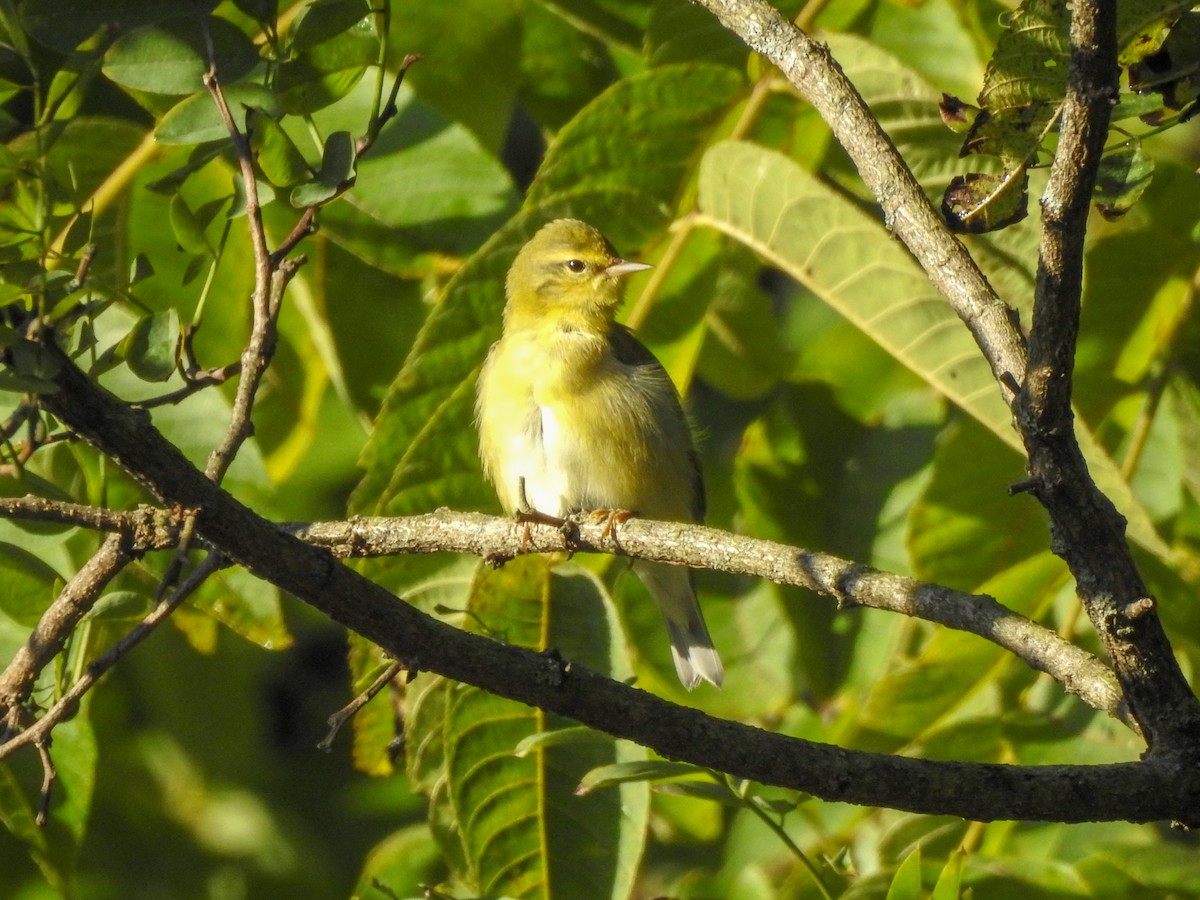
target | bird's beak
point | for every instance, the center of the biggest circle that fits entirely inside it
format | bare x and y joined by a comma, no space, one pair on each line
625,267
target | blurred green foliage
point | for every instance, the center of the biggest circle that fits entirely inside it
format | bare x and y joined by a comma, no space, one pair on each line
840,406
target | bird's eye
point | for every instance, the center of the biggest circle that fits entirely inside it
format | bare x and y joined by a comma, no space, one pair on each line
576,265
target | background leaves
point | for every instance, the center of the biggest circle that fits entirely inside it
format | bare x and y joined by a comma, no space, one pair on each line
839,404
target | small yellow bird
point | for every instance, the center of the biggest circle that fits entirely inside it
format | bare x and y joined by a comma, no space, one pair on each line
576,415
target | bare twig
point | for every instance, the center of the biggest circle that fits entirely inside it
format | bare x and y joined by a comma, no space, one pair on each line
488,537
339,718
49,776
145,528
852,584
257,354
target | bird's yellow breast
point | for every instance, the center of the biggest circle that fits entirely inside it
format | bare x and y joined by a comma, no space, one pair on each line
583,429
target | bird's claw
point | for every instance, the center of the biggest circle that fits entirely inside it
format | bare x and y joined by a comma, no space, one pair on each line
611,519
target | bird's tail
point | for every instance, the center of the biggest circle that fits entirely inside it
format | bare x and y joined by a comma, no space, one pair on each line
691,647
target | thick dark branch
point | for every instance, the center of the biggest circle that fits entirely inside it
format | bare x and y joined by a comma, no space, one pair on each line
1088,532
818,78
1140,791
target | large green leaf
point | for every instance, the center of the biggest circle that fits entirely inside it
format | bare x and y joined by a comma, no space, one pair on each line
29,585
426,183
951,680
473,50
642,134
522,830
846,258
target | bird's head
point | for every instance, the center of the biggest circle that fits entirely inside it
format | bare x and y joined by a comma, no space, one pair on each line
567,267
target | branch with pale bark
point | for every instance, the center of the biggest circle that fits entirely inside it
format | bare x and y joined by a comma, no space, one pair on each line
495,539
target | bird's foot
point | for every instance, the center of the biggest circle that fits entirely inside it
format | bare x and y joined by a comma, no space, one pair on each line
526,516
611,519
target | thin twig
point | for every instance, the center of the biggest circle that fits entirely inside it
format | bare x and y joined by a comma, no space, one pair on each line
257,354
339,718
49,776
851,584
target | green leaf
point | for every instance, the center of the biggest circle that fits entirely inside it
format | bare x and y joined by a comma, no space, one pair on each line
246,606
121,606
1124,175
645,770
29,585
639,135
1145,25
140,268
188,228
562,68
337,172
906,883
65,24
151,349
429,177
170,57
329,57
405,861
375,724
463,40
680,31
520,825
786,215
579,734
950,680
977,202
965,527
197,120
325,20
277,156
707,791
621,23
70,85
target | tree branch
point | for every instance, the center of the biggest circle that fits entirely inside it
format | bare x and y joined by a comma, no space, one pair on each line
1087,530
1139,791
852,584
54,627
491,538
813,72
39,732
